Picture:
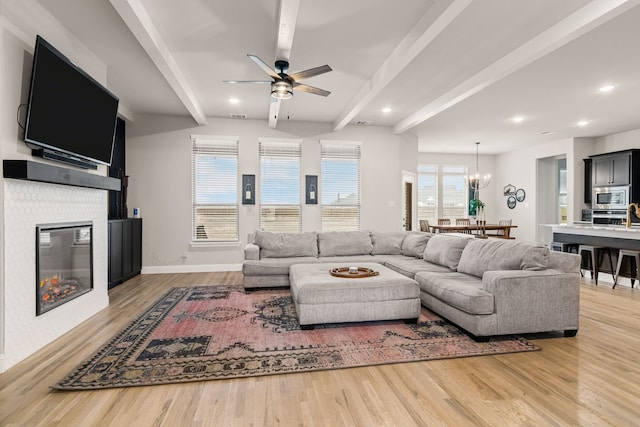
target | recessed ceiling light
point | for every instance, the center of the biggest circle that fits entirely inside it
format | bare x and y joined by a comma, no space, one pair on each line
233,100
607,88
583,122
518,119
386,110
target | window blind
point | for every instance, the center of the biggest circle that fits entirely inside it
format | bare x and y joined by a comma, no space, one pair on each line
214,189
340,190
454,194
280,208
428,193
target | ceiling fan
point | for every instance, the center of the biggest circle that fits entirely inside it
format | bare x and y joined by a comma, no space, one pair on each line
283,84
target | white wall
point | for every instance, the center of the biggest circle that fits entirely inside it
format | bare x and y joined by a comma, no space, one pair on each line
159,169
24,204
520,168
618,142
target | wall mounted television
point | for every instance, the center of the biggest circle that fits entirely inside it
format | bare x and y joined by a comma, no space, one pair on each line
71,118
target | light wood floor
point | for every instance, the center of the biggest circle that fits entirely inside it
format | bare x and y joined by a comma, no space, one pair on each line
592,379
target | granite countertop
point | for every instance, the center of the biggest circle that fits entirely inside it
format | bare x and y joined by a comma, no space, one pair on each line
599,230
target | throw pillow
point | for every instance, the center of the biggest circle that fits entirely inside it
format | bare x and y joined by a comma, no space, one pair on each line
387,243
490,255
339,243
414,244
283,245
445,250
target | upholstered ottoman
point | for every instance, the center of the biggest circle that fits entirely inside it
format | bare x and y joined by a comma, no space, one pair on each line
320,297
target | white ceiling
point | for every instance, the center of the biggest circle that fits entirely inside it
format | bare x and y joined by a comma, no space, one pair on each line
453,71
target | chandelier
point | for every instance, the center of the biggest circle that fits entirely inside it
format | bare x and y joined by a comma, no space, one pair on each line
477,181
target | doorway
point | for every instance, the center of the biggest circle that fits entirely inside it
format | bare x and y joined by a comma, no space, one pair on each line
552,200
408,180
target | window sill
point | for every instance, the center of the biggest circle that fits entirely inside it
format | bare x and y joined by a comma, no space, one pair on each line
214,244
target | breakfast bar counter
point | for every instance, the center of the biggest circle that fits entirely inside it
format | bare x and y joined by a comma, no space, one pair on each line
611,236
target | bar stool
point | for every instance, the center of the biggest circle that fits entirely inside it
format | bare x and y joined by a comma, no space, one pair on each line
564,247
635,257
594,258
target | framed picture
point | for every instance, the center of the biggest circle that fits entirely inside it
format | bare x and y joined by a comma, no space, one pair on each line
511,202
520,194
311,189
509,190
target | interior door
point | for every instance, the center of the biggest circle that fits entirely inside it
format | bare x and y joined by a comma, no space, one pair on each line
408,206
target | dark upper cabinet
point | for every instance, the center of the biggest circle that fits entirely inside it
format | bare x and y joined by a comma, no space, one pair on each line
617,168
611,169
587,180
620,170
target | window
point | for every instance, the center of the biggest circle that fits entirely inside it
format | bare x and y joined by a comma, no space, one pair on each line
428,193
340,190
280,208
214,189
454,196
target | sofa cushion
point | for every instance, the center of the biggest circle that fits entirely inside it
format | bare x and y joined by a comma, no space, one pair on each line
347,260
410,266
338,243
414,244
387,243
459,290
284,245
274,266
445,250
491,255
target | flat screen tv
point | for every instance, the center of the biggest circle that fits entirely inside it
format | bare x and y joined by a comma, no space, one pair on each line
70,117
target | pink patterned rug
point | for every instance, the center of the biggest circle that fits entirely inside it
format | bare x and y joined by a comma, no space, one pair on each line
213,332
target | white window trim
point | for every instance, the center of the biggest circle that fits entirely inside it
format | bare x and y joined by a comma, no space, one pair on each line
285,142
339,144
227,139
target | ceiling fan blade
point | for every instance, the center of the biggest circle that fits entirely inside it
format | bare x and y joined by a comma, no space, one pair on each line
311,72
287,18
311,89
247,81
264,66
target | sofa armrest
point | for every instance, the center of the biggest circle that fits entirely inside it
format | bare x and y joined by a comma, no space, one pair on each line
545,300
251,252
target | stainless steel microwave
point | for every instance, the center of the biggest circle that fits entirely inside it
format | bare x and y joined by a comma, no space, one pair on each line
611,197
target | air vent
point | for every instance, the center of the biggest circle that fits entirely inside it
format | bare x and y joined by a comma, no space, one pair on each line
239,116
363,122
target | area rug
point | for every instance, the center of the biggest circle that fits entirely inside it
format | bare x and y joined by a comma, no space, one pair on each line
213,332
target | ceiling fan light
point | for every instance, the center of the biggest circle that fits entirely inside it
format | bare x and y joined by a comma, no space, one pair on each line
281,90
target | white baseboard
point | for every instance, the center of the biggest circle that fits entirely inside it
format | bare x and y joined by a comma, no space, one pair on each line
2,363
205,268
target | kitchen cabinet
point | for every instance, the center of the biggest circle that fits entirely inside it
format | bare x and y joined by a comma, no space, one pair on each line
587,181
125,249
611,169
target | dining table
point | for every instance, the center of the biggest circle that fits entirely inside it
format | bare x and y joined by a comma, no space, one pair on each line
501,231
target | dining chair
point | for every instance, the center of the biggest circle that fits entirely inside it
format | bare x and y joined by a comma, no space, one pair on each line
424,225
443,221
464,221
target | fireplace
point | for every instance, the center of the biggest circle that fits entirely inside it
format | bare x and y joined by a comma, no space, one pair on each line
64,263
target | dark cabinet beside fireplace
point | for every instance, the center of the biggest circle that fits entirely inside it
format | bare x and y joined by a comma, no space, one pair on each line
125,249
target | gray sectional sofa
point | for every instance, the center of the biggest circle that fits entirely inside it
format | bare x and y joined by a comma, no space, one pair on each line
486,286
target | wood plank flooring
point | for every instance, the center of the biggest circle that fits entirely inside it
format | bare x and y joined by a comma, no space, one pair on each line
592,379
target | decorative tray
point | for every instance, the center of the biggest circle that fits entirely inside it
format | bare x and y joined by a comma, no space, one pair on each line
353,273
